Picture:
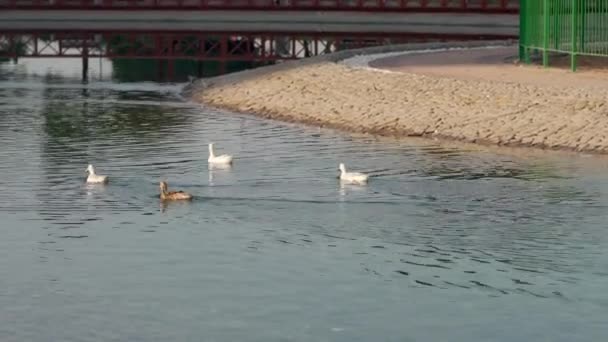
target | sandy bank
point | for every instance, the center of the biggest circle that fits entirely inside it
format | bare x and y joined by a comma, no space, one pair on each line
478,97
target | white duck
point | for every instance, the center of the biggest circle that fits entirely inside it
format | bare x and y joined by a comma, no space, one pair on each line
223,159
94,178
352,177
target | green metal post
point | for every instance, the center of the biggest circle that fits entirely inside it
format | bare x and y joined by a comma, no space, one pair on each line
583,25
522,31
527,30
546,19
574,32
575,27
556,12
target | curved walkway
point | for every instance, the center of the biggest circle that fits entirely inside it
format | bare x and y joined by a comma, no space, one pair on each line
499,64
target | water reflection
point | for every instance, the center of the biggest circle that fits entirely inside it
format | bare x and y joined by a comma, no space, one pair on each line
218,170
347,188
137,70
167,205
130,70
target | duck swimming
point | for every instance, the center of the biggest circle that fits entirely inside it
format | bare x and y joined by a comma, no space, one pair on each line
223,159
94,178
352,177
172,195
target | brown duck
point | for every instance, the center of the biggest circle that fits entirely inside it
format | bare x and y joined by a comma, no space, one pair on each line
172,195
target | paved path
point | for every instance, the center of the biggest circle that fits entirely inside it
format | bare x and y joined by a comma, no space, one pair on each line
252,21
497,64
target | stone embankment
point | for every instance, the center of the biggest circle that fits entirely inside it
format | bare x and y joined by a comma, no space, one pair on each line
470,93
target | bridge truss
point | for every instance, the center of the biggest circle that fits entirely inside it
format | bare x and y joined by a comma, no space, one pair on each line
203,46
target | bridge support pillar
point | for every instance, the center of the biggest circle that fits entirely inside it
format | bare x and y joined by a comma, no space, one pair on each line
199,69
85,64
170,70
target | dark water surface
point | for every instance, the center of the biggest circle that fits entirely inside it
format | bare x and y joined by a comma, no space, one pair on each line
444,244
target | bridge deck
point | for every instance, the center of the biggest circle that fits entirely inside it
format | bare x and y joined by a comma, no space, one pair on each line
468,6
262,21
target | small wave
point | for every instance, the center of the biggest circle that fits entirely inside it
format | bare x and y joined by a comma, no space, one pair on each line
119,87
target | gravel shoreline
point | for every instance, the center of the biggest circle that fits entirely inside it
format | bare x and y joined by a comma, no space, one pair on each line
333,91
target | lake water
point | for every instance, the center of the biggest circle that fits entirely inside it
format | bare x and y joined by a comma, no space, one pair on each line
444,244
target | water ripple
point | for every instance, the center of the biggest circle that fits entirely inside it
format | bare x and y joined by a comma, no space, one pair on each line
433,218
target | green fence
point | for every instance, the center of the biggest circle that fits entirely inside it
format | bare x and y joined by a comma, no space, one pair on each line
574,27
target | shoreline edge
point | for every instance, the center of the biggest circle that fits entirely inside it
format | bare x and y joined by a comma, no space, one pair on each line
322,91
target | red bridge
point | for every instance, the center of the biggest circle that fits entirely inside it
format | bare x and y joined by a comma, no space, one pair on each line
463,6
239,30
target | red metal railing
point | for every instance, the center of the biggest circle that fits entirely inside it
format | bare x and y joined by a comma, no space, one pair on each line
203,46
466,6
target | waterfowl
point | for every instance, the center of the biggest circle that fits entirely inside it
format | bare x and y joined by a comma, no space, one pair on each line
221,159
352,177
172,195
94,178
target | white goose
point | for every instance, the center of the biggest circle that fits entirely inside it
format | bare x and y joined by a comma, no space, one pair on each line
94,178
223,159
352,177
